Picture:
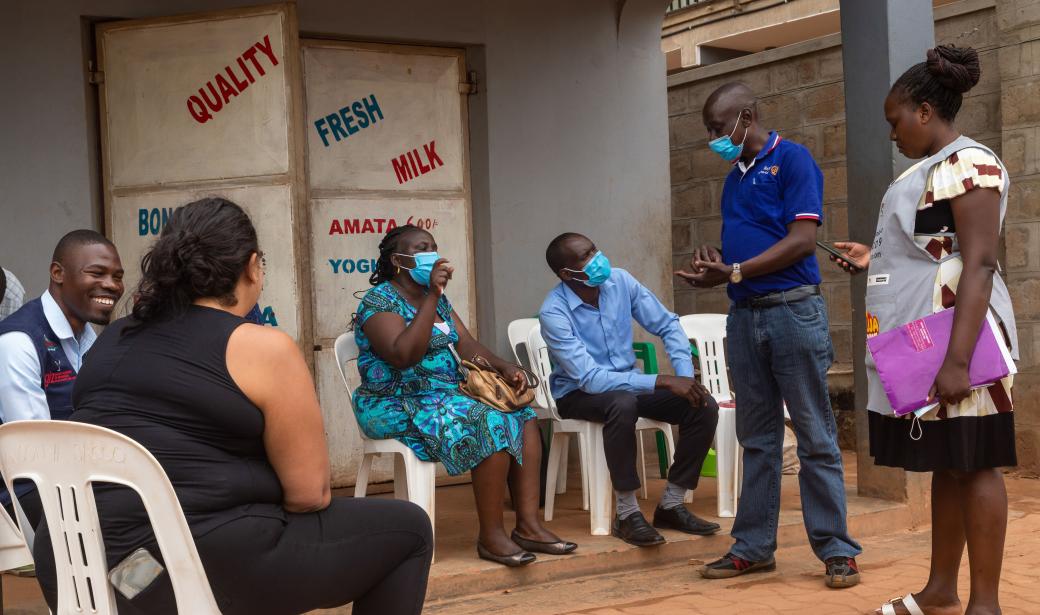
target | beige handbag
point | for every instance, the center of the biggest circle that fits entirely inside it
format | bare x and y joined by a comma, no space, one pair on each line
483,383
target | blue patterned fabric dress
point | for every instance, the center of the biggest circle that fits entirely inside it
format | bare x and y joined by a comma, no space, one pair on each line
422,406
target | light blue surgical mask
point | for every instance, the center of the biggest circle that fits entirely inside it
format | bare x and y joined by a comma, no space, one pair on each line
423,266
597,270
724,146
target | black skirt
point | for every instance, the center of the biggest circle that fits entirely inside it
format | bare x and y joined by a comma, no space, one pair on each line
966,443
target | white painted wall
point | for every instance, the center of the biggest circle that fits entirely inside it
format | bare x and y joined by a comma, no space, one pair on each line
568,131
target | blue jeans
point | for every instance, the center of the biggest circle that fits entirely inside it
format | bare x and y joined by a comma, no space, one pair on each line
782,353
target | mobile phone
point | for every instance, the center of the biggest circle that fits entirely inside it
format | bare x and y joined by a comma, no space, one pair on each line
135,573
830,250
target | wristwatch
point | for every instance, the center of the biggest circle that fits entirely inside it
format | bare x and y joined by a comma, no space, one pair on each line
735,276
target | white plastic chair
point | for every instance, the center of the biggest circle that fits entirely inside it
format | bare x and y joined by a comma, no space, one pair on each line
708,332
14,550
415,480
590,444
518,331
64,459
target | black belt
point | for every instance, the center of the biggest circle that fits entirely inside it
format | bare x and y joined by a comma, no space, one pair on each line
791,295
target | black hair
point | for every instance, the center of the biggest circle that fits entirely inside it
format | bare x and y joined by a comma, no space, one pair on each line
385,270
76,239
941,80
554,255
202,252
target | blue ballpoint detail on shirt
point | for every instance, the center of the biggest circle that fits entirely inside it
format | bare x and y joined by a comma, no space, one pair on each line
591,348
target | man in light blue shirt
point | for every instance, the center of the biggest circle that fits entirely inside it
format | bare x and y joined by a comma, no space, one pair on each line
587,324
43,343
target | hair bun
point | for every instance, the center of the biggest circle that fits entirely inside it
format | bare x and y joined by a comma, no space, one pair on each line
956,68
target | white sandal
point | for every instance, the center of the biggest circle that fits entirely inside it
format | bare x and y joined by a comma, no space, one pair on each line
907,601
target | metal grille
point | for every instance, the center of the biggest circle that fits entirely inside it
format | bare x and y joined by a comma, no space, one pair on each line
678,5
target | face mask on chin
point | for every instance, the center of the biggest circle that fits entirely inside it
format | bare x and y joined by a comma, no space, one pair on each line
724,146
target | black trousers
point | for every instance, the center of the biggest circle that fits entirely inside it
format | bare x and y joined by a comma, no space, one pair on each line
619,411
31,506
373,552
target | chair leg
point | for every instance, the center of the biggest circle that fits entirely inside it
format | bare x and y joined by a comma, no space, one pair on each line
600,491
401,489
641,467
727,452
586,468
361,485
557,445
421,478
561,477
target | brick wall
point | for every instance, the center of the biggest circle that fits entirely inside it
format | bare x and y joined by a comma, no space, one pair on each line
801,94
1018,25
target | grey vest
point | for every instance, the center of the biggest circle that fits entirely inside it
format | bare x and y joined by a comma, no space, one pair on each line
901,278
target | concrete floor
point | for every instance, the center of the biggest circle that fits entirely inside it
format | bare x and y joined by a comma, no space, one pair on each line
460,582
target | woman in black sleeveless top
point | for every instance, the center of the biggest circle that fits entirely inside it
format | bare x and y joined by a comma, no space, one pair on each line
229,410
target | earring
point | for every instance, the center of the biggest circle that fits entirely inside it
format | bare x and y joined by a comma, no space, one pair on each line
398,269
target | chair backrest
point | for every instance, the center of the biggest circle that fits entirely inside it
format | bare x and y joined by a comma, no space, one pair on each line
64,459
708,332
518,331
14,552
538,353
347,351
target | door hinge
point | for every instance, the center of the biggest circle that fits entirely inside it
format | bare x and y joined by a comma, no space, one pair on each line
469,86
94,76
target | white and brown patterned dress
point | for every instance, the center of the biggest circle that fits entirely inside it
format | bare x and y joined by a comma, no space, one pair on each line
980,429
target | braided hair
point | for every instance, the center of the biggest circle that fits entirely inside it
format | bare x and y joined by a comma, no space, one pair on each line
941,81
385,270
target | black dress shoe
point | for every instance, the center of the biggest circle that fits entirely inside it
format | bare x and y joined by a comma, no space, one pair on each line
634,530
560,547
679,518
520,558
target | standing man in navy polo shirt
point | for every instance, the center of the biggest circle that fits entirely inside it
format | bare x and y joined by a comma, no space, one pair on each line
778,337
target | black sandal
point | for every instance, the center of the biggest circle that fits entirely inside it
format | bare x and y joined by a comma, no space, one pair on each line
560,547
520,558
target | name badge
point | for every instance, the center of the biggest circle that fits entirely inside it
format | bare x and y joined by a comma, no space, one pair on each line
879,279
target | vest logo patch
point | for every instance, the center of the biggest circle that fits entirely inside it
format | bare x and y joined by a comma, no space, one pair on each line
774,169
58,378
878,280
873,326
49,345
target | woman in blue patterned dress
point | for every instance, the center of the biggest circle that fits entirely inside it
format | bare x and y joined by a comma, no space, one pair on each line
410,391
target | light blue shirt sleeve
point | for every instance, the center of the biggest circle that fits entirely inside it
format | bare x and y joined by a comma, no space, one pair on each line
649,312
21,397
571,356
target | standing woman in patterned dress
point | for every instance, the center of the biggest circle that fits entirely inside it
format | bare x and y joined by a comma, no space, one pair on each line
410,391
936,246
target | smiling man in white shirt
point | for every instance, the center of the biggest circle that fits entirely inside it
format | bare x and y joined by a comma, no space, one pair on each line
43,343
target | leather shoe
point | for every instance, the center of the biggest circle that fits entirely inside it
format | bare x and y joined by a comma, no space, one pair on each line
634,530
679,518
520,558
560,547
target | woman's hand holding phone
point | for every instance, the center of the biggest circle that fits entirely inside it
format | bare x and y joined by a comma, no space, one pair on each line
851,256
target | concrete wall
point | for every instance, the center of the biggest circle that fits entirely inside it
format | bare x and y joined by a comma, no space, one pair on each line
568,131
801,91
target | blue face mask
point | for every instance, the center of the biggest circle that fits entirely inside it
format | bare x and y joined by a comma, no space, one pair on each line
597,270
423,266
724,146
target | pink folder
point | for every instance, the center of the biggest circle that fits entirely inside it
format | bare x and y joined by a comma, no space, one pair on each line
909,356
